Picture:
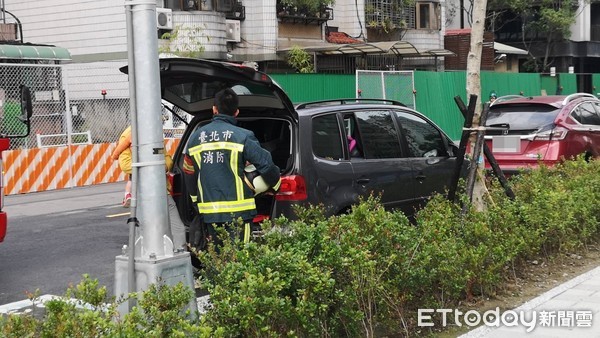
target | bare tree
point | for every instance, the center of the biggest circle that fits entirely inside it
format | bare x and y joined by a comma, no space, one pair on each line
474,88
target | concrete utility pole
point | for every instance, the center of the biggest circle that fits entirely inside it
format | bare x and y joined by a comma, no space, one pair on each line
154,259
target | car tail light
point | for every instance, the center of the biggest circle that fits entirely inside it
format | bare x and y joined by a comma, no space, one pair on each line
557,133
292,188
260,218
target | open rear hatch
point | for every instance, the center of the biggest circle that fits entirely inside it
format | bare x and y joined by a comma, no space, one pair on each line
191,85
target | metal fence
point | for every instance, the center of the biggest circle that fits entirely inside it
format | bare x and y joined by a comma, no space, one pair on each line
391,85
73,103
79,112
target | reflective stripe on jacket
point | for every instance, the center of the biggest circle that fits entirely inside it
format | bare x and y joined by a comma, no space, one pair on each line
216,155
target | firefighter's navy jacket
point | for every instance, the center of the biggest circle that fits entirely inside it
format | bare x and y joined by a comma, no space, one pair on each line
215,157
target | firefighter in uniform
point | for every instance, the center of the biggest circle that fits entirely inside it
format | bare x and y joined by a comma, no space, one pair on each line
214,162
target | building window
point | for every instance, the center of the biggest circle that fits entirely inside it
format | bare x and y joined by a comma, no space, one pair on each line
428,15
424,19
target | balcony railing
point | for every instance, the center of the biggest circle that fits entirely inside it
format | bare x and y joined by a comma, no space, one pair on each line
300,15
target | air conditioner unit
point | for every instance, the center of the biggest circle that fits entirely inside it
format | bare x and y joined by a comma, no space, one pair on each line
164,18
233,31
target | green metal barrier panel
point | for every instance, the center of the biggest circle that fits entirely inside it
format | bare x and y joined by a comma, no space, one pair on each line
561,84
596,84
527,84
568,82
435,99
435,91
549,84
314,87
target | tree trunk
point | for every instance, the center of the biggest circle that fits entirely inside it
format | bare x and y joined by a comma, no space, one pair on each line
474,88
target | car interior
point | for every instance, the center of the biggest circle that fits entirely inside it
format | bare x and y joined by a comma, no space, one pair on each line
273,134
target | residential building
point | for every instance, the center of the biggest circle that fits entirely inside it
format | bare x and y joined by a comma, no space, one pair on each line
250,30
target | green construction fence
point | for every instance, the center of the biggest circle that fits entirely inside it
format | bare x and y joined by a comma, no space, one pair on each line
315,87
434,91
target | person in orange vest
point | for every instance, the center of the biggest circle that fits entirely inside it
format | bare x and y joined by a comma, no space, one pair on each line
122,153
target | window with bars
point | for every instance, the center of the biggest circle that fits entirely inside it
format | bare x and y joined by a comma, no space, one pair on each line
427,15
385,14
422,15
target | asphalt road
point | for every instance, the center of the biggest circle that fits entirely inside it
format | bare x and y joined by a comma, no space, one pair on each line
55,237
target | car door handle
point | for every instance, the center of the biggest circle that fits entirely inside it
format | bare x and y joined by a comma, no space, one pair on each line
363,180
420,178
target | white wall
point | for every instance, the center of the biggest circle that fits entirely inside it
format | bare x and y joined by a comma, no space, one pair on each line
211,35
81,26
345,16
452,13
259,30
580,30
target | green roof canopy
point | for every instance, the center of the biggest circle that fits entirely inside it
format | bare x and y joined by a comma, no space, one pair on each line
33,52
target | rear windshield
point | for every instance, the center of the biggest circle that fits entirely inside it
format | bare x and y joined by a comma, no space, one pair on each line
522,117
203,90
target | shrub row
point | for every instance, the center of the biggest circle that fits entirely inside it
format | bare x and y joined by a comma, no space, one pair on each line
364,273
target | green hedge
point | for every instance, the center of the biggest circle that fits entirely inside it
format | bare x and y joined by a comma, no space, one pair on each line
365,273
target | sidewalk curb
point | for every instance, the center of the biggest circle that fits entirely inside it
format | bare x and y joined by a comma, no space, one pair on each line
482,331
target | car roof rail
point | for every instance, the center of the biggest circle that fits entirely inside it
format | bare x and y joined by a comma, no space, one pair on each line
572,97
349,101
506,98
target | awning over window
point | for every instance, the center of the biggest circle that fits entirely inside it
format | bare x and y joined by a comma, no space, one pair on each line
400,48
33,52
395,47
506,49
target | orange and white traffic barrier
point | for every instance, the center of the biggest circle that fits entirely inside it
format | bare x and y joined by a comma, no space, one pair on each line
41,169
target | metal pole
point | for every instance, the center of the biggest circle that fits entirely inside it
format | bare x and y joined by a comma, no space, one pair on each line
383,86
69,119
152,210
151,254
132,222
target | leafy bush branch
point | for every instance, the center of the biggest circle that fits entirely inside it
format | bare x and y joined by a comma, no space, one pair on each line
300,60
361,274
184,41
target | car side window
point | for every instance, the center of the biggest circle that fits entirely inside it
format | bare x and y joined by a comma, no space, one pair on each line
353,138
597,108
326,139
378,134
424,140
586,113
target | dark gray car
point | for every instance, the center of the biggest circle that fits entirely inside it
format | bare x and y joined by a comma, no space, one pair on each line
329,152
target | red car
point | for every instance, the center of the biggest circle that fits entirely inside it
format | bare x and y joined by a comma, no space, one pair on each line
528,130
